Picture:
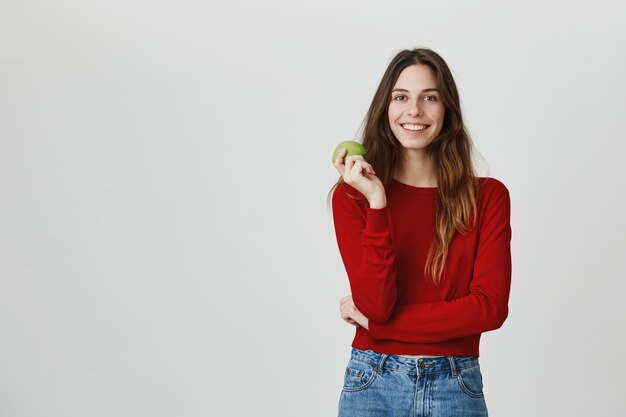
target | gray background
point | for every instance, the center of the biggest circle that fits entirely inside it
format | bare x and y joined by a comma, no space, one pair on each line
165,245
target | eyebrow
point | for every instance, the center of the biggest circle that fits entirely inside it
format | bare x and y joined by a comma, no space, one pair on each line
423,91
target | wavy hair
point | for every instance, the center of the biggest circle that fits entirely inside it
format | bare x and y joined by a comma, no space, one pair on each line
451,152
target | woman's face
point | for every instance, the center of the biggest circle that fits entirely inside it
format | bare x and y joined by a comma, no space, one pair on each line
415,103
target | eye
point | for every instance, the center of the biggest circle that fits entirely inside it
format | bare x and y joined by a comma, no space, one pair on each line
434,98
398,96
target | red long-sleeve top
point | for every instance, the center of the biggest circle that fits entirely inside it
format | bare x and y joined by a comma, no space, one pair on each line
384,251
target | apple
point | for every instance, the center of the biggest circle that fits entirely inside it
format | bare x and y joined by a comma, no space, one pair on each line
353,148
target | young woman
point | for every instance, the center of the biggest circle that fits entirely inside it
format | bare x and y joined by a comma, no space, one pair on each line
426,246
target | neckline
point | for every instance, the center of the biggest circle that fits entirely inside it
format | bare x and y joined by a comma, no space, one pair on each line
415,190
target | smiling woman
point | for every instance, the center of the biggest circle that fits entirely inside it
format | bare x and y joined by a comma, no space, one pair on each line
415,111
426,246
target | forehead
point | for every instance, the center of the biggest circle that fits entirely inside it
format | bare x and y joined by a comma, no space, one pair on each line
416,77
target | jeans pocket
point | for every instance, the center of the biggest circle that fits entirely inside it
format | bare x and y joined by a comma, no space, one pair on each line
359,375
471,381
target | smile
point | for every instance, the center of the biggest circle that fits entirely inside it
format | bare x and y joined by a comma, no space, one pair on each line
414,129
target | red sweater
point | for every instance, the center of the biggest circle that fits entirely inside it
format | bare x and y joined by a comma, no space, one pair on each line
384,251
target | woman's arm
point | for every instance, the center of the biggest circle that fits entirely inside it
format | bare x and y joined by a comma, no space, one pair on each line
368,253
484,309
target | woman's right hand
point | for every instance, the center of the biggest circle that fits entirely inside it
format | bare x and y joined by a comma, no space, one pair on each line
358,173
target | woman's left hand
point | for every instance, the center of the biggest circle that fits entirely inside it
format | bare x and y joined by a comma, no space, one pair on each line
351,314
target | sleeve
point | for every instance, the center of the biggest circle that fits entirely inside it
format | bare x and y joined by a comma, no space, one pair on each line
368,253
486,306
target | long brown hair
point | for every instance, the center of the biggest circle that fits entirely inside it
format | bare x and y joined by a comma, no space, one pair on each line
451,151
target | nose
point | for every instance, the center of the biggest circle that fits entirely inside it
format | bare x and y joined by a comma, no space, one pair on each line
415,109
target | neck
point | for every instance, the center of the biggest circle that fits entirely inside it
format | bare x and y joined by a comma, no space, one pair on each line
416,168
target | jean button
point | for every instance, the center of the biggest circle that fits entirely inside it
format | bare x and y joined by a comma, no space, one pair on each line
421,364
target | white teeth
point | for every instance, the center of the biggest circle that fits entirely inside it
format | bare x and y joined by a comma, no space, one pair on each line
414,127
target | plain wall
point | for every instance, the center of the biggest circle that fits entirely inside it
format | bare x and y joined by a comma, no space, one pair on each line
165,244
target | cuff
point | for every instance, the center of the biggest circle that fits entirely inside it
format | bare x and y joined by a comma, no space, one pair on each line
377,220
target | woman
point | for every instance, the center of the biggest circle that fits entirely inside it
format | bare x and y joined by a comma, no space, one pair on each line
426,246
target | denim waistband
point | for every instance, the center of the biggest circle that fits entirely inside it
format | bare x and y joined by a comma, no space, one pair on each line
448,364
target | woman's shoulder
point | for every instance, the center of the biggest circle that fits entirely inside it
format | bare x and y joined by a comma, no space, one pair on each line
493,195
491,185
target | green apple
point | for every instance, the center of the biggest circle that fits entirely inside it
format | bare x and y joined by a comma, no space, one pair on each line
353,148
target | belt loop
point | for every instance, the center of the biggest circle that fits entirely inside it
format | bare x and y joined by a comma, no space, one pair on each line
381,362
453,367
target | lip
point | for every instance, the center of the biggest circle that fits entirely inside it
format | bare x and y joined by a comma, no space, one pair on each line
415,132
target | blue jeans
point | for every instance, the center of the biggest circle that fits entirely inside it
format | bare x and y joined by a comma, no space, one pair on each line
379,385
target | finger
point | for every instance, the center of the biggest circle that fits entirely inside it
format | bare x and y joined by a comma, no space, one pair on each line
347,308
343,300
366,167
346,316
347,313
354,169
346,305
362,164
348,163
339,161
355,157
352,160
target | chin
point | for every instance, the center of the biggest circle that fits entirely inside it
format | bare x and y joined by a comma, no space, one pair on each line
418,143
